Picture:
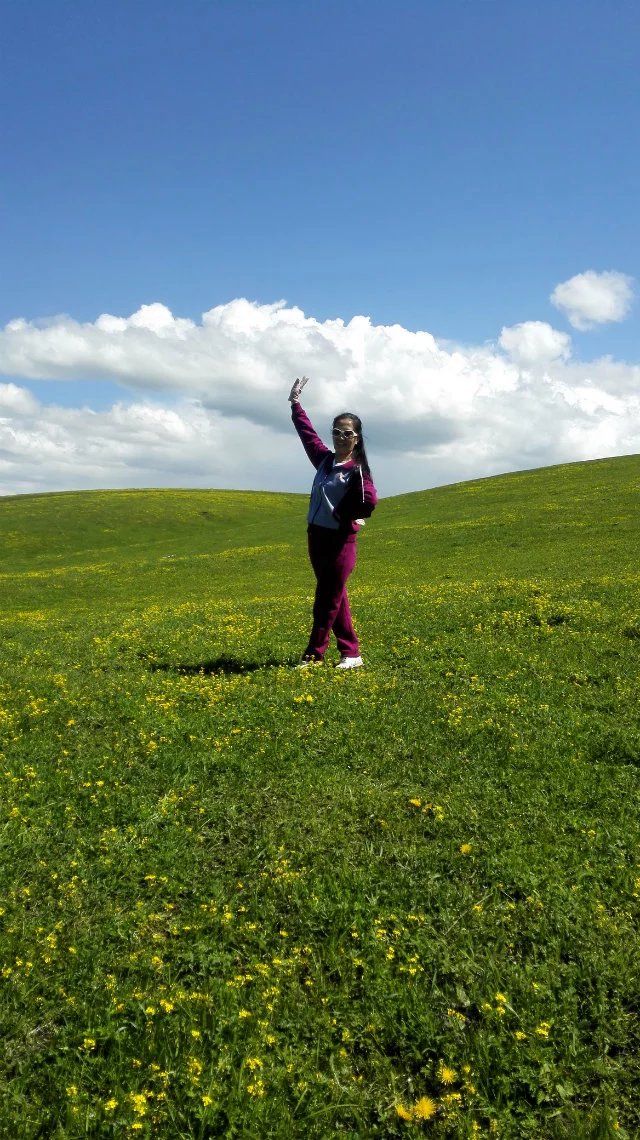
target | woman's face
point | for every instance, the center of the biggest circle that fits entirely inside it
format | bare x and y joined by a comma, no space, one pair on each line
345,438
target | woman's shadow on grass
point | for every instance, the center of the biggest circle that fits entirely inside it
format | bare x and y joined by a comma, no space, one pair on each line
216,666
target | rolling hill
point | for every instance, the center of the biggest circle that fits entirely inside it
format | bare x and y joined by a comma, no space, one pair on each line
240,899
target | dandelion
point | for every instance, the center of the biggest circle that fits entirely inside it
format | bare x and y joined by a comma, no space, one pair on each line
207,1100
465,848
519,1035
111,1104
404,1113
425,1108
89,1043
446,1075
543,1028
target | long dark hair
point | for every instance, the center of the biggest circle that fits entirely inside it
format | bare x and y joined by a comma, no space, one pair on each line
359,453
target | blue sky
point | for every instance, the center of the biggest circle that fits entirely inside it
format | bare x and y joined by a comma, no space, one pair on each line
440,166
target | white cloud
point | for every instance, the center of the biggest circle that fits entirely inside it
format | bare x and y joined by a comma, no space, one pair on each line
207,401
592,298
16,401
535,343
139,445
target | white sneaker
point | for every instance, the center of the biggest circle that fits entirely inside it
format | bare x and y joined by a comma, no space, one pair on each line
349,663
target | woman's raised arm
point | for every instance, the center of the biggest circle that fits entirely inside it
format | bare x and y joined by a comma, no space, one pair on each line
316,450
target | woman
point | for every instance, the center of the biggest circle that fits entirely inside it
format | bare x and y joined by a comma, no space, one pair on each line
342,496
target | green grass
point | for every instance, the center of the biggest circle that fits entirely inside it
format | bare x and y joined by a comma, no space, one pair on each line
241,900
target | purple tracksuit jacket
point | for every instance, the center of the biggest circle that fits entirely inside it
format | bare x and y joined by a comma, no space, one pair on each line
339,495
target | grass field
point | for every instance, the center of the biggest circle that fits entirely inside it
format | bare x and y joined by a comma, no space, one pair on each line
242,900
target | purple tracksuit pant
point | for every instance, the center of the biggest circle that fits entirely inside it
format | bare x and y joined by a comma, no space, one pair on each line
333,557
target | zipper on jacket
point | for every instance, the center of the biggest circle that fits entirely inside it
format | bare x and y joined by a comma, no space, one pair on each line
311,521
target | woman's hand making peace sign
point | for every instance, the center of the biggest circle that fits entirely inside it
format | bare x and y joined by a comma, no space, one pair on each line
294,394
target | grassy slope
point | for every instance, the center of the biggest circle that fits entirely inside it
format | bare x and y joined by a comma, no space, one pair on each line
175,799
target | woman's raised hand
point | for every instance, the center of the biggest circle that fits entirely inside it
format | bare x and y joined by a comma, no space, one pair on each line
299,383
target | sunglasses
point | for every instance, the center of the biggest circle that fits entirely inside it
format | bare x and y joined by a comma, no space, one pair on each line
343,434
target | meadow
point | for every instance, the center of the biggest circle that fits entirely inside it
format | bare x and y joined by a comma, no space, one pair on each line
243,900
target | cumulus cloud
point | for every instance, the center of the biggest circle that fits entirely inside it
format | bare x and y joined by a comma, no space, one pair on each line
16,401
205,402
592,298
138,445
535,343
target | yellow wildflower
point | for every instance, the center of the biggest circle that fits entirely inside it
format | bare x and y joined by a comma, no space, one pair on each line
139,1102
446,1075
256,1088
194,1067
425,1108
404,1113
